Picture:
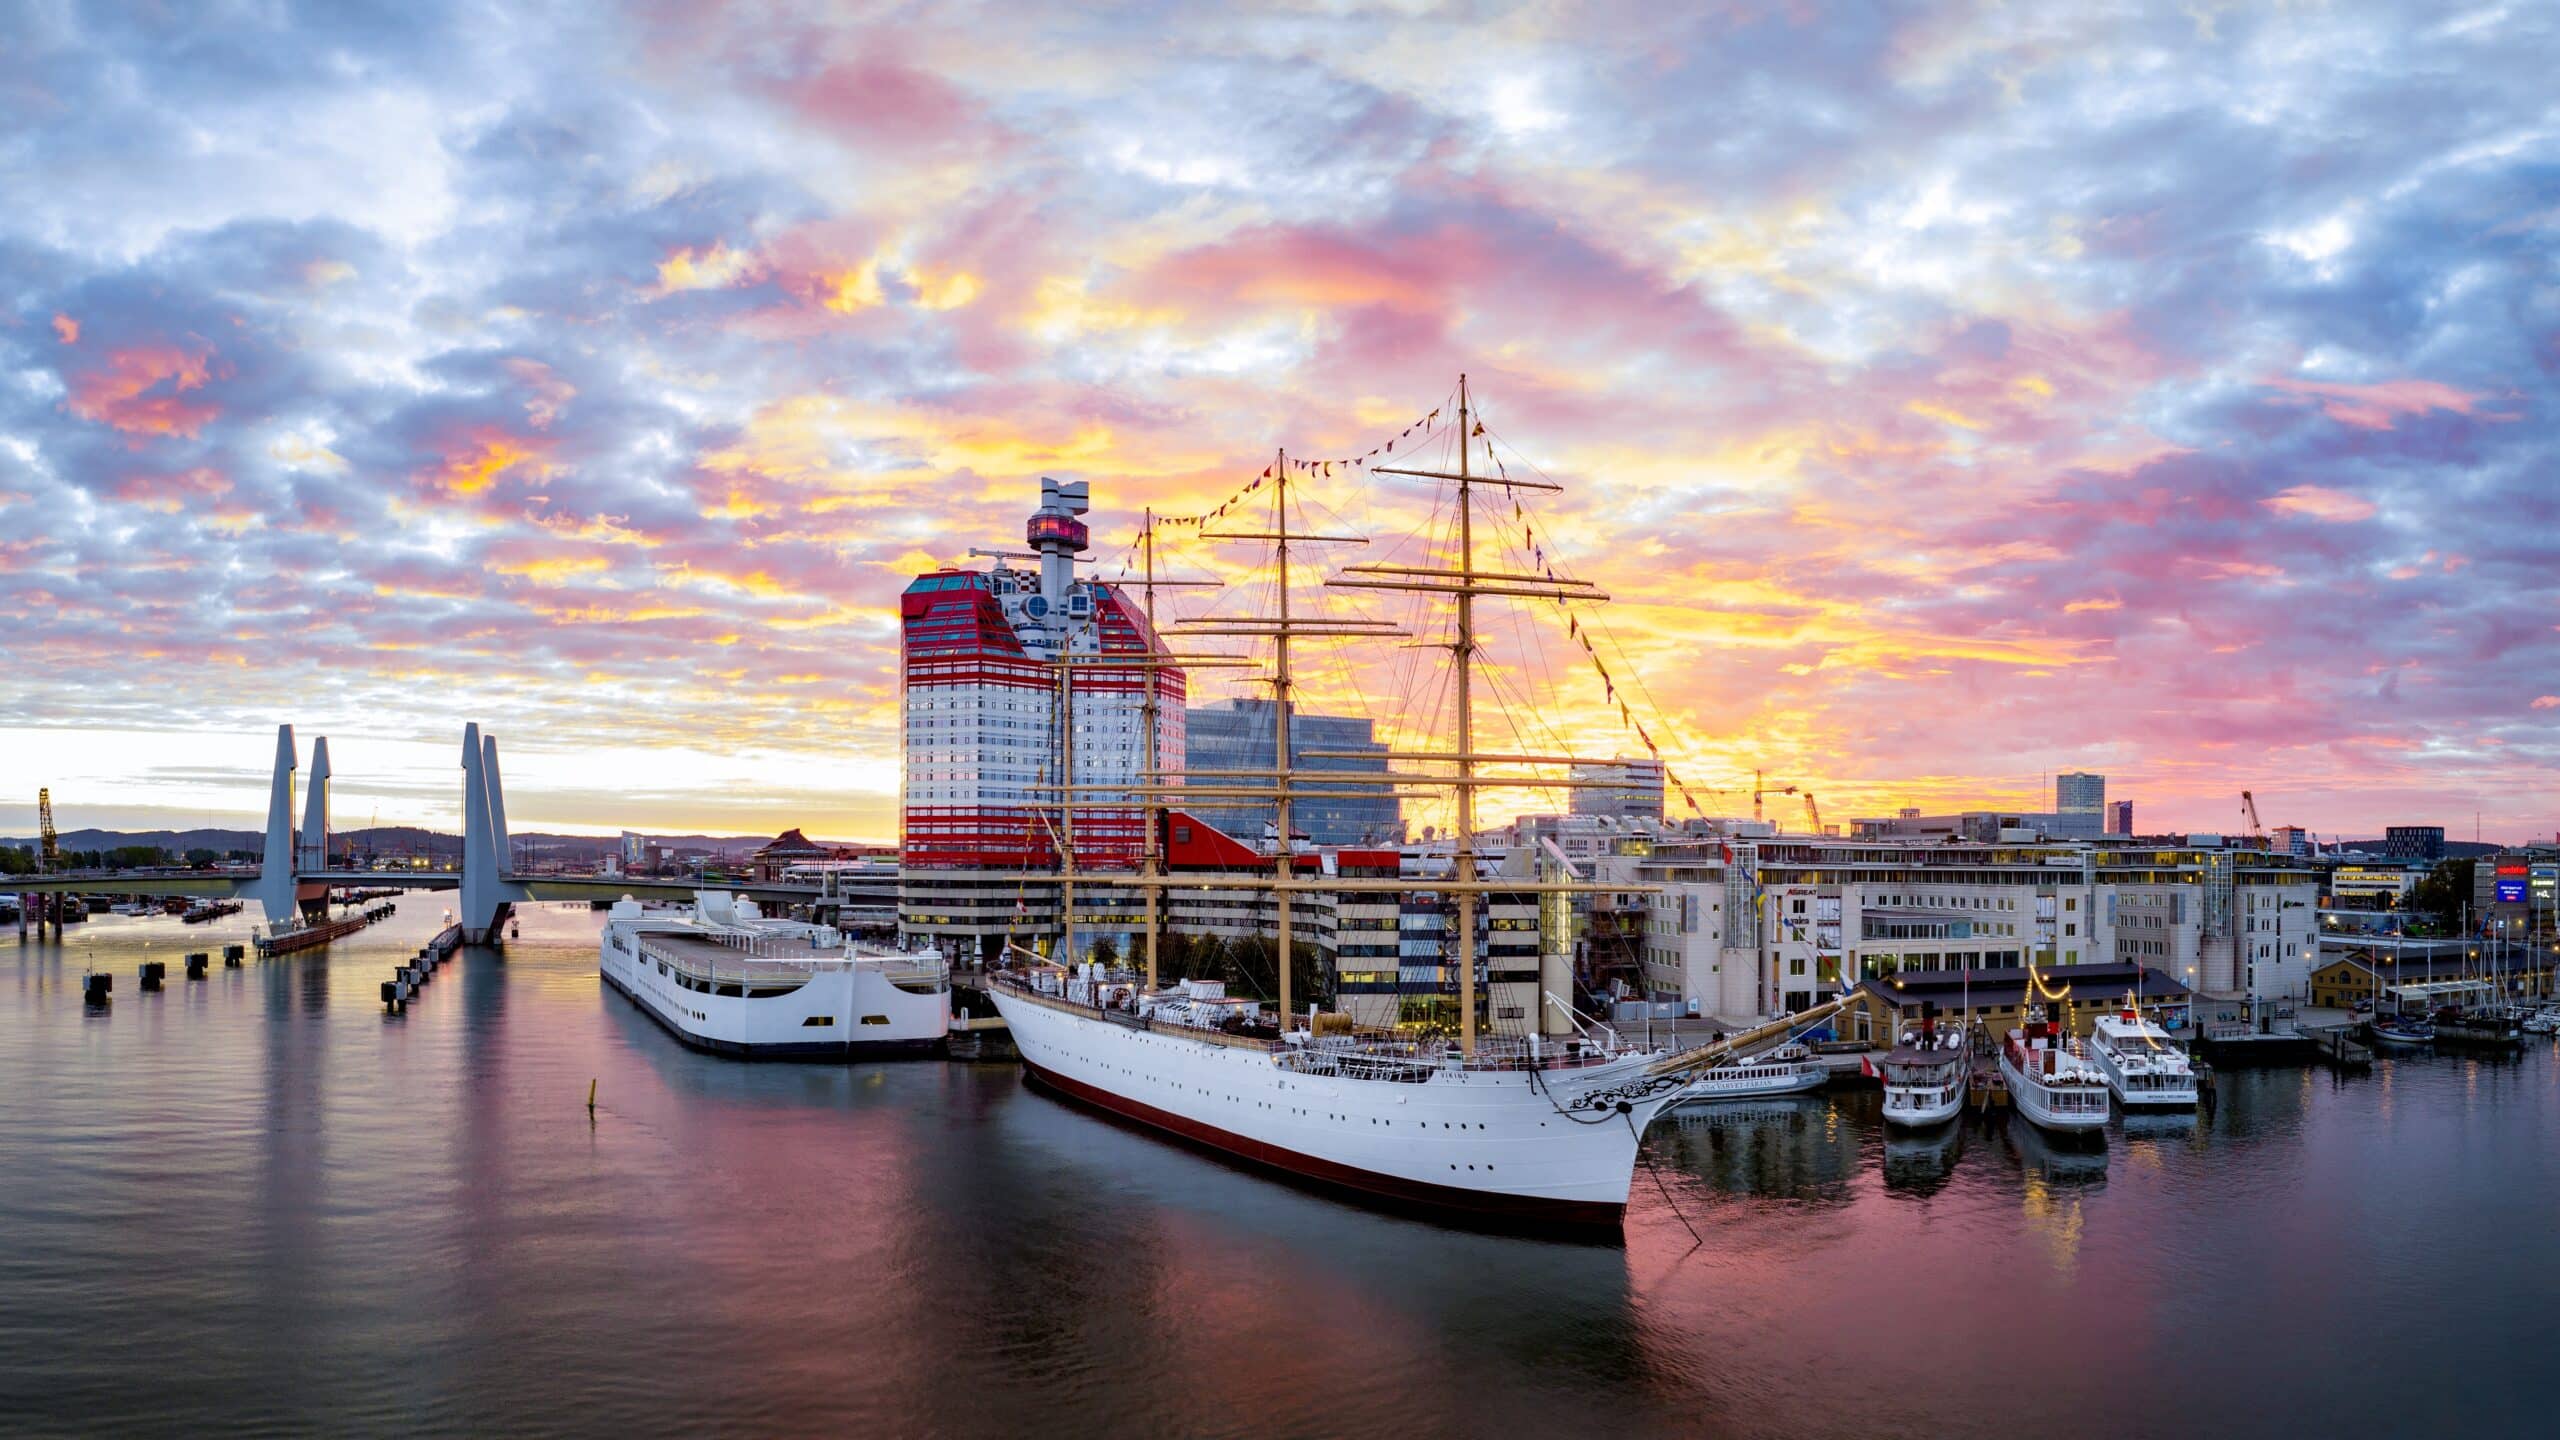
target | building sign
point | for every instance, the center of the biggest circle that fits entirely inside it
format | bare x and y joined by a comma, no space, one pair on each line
2511,892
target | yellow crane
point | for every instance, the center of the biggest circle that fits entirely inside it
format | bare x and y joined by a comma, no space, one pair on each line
1760,788
50,856
1813,812
2249,811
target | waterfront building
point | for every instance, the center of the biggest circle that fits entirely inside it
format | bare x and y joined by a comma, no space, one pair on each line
1239,735
986,740
1751,929
2373,887
1993,999
1980,826
784,851
2413,842
2516,894
2120,817
1639,799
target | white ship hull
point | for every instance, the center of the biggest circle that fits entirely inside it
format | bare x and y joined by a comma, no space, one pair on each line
1917,1107
2171,1090
1549,1146
849,1011
1713,1087
2047,1107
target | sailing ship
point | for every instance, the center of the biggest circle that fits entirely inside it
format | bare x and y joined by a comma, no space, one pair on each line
1538,1126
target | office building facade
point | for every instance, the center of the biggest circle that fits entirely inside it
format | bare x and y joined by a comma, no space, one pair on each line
1241,735
1636,795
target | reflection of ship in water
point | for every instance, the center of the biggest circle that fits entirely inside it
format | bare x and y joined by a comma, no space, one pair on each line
1922,1161
1156,1242
2159,1124
2074,1158
1803,1149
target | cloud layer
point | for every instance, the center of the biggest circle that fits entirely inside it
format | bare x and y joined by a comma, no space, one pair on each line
1947,399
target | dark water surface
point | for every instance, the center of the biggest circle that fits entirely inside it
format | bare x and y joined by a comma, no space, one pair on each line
257,1205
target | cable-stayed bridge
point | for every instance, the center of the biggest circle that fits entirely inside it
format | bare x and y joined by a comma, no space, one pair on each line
293,874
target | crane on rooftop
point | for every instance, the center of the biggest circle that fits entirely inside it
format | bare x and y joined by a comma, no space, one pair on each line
2249,811
1813,812
1761,789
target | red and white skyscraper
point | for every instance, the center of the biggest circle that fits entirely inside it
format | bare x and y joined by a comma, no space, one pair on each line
984,734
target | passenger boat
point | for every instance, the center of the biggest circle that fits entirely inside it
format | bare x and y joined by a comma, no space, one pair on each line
1788,1070
722,976
2051,1081
2142,1064
1925,1076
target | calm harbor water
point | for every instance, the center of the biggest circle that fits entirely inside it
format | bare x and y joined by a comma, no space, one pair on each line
257,1205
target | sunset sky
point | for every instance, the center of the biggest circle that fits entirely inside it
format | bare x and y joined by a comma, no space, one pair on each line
1948,395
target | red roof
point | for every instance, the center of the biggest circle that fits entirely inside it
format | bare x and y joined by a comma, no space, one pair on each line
1209,848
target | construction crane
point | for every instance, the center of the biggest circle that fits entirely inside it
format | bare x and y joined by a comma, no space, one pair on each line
50,857
1813,812
2249,809
1760,789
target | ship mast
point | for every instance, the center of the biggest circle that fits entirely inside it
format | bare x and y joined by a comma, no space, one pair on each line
1151,809
1067,776
1280,701
1464,647
1463,584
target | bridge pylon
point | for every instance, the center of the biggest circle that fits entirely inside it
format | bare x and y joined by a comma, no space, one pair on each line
487,894
275,886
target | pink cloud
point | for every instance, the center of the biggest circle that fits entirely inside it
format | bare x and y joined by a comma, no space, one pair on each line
882,101
546,393
171,492
140,389
2546,702
2316,502
67,329
2374,407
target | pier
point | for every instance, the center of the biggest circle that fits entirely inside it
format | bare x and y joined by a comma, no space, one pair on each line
413,974
319,933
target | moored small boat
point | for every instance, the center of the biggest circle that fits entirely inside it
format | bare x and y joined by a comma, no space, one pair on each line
1925,1077
2142,1064
2401,1032
2051,1080
1787,1070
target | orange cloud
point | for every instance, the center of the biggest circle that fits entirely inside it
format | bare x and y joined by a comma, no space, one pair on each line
2546,702
140,390
67,328
2318,503
483,456
715,268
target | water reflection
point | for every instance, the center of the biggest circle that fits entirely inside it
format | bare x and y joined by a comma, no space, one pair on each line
1922,1162
1793,1148
265,1176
